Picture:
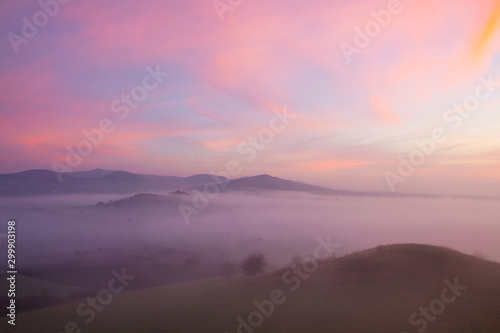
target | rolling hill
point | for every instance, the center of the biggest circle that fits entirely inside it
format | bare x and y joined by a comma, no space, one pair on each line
395,288
122,176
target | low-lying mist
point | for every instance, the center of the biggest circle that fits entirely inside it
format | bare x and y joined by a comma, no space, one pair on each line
59,228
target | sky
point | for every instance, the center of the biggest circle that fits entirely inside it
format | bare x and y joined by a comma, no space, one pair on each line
368,95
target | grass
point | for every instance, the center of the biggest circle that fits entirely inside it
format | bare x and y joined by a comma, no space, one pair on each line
32,286
370,291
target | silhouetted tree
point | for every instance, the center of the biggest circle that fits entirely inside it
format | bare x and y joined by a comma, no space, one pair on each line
254,263
191,265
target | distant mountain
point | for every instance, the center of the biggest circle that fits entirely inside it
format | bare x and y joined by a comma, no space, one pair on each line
36,175
204,179
164,179
266,182
31,182
91,174
123,176
44,182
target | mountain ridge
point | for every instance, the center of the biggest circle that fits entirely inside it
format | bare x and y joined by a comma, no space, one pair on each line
95,181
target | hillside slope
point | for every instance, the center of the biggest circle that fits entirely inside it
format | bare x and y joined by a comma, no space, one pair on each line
376,290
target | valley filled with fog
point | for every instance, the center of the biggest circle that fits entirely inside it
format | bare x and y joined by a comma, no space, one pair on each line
59,229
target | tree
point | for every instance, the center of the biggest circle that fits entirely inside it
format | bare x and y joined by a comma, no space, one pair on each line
254,263
191,264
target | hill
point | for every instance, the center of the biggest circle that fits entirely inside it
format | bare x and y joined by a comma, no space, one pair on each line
143,200
122,176
203,179
266,182
378,290
91,174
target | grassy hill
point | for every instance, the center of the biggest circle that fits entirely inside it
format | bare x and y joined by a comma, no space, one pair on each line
36,286
376,290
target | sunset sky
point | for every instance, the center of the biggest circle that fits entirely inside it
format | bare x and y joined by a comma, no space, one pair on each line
232,69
